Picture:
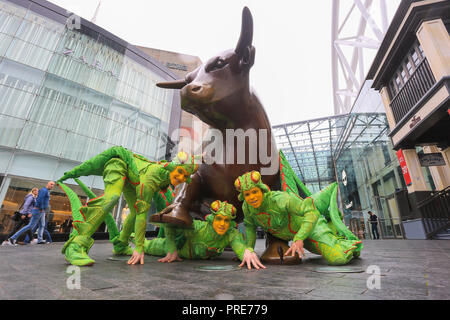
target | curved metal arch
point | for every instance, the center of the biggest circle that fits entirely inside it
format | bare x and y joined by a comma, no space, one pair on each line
350,42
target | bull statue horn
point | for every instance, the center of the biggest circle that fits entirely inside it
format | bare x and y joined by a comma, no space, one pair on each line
176,84
246,37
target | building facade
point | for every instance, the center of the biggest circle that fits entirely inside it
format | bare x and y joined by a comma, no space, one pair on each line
68,91
412,73
192,129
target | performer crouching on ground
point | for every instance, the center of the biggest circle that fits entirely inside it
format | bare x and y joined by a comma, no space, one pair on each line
139,179
205,239
290,218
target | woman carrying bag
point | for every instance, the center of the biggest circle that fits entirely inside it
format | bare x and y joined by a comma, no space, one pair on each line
23,216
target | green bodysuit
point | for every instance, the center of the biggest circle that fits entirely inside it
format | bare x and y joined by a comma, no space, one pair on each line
198,242
201,241
288,217
122,171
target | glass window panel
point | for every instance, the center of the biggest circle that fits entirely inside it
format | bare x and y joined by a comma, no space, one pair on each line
123,113
19,76
42,139
89,121
409,67
39,31
61,90
121,135
165,116
29,54
5,41
81,148
145,144
15,102
10,17
75,147
397,81
52,113
421,51
10,129
415,57
403,74
148,104
69,68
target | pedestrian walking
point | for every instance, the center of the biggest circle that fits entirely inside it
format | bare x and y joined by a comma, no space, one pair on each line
37,215
374,222
24,214
48,238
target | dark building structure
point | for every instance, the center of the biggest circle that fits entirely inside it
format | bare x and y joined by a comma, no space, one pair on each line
412,73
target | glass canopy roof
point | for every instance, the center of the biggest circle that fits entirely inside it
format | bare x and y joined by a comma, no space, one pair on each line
312,146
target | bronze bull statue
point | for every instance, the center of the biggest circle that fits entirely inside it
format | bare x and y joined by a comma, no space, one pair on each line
218,92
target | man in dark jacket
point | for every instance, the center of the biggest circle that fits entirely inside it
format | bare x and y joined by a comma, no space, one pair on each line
374,222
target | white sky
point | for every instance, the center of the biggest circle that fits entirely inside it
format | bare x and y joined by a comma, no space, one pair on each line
292,70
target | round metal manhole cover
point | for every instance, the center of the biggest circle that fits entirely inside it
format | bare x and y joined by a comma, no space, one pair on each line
218,268
338,270
119,258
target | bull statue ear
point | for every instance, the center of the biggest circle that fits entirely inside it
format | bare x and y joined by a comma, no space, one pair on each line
244,48
247,59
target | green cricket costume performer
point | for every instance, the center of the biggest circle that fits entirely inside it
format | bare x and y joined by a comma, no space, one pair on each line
139,179
205,239
288,217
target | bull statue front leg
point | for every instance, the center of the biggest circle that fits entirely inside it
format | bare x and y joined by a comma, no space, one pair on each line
178,212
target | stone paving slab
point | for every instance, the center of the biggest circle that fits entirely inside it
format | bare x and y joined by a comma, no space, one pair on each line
409,270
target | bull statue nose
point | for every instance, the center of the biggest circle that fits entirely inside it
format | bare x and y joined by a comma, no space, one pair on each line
197,92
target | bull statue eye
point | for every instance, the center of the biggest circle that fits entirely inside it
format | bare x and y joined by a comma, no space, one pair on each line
220,63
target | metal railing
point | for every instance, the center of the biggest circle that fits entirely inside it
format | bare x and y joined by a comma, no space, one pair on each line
436,212
390,228
414,89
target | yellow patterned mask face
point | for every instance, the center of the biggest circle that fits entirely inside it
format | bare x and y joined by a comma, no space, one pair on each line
179,175
221,224
253,197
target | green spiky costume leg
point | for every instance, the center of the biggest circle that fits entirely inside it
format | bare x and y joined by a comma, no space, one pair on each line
95,212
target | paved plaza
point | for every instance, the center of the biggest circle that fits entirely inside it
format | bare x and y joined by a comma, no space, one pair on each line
410,269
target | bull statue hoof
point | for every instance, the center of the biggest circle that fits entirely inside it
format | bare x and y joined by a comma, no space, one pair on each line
274,254
175,217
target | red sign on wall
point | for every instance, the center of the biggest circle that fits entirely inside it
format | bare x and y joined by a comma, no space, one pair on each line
405,171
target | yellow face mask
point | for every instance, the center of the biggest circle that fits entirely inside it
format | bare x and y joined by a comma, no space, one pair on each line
254,197
221,224
177,176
